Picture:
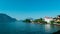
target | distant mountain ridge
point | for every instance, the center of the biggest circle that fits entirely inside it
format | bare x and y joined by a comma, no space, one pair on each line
5,18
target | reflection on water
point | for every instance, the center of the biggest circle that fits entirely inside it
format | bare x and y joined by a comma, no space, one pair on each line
27,28
47,27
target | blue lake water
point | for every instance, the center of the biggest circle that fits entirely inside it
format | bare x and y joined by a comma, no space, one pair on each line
27,28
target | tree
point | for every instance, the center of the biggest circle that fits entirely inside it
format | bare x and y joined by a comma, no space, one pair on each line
52,22
27,20
40,20
58,22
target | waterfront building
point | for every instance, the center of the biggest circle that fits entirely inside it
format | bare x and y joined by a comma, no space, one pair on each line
57,19
48,19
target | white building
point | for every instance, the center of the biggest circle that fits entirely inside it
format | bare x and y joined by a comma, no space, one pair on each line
48,19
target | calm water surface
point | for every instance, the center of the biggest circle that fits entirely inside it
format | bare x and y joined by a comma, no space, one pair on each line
27,28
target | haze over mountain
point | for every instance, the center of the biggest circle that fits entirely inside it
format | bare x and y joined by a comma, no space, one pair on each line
5,18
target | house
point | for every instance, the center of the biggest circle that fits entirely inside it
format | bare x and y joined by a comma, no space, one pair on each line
48,19
57,19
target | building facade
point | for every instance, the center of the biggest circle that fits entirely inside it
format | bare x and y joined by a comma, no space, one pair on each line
48,19
57,19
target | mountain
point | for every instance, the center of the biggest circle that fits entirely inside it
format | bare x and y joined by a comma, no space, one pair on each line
5,18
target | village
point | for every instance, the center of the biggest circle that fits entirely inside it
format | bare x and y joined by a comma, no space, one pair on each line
45,20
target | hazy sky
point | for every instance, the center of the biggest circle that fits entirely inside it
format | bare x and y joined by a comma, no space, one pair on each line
21,9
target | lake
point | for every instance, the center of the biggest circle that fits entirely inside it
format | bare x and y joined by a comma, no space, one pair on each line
27,28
